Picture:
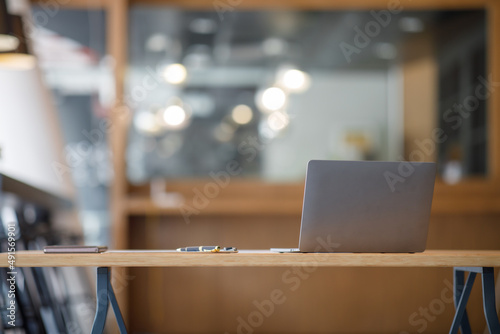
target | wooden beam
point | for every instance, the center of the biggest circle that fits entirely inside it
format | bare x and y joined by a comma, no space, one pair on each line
276,4
119,117
117,37
493,62
313,4
75,4
493,69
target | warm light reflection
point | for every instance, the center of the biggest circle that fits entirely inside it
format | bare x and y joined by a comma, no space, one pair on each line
295,80
174,74
242,114
273,99
278,120
8,43
145,123
17,61
174,116
224,132
274,46
157,42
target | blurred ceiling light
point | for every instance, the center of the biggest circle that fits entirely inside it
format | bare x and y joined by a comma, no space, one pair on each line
8,43
271,99
224,132
385,51
278,120
19,7
202,104
174,116
17,61
157,42
146,123
295,80
273,46
29,128
174,74
197,60
198,56
411,24
265,131
242,114
203,26
170,144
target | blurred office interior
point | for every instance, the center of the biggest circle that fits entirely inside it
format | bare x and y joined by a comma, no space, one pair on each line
158,124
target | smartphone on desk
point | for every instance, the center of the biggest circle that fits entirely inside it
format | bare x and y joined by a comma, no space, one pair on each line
74,249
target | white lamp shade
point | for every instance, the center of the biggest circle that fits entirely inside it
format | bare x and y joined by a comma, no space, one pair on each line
31,143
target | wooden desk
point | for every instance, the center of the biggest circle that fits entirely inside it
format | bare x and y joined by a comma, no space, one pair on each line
256,258
474,262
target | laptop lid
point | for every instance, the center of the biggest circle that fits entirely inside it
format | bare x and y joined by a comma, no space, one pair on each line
366,206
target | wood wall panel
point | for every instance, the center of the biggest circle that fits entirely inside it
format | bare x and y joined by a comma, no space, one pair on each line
328,300
420,102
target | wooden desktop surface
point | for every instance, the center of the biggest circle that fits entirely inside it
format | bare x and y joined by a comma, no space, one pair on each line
255,258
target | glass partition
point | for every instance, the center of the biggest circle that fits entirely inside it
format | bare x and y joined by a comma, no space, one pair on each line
266,91
70,45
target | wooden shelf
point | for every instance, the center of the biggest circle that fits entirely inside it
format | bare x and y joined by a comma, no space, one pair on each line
256,258
258,206
79,4
466,205
143,206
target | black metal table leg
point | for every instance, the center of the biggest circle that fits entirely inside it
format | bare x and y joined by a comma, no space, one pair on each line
458,284
462,303
102,301
105,294
115,306
460,319
490,311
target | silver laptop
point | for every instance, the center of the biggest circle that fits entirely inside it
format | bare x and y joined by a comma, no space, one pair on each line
366,206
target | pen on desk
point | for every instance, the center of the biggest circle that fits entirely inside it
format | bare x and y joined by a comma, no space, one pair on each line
208,249
212,249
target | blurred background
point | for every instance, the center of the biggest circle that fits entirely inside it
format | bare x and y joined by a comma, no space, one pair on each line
166,124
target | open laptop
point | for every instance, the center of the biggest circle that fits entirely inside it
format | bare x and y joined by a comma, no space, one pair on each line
365,206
